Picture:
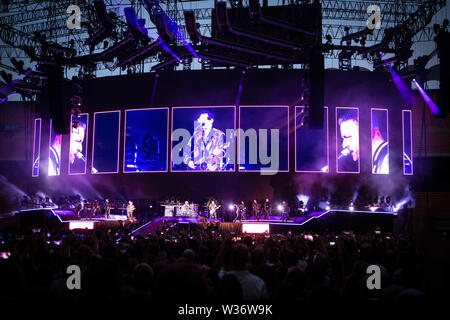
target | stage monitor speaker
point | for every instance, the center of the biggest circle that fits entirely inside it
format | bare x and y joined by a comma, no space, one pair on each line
316,92
58,108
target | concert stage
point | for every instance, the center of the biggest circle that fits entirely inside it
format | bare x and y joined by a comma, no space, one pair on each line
61,219
311,221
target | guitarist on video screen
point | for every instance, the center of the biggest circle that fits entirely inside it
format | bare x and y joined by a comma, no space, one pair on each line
208,146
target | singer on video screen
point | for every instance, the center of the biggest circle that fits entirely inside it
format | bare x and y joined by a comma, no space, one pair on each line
208,146
77,157
348,158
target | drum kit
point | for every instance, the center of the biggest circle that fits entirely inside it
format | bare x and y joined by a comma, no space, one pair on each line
180,210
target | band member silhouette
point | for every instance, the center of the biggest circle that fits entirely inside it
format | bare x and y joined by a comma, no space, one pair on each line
267,209
256,209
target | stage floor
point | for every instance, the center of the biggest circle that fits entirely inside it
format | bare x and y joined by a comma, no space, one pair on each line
274,222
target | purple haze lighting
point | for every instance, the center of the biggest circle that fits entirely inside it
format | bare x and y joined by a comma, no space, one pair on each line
405,92
433,107
168,50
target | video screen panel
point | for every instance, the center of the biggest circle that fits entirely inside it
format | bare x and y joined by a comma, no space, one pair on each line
78,144
347,140
36,147
407,142
203,139
54,161
311,144
263,141
380,141
146,132
105,149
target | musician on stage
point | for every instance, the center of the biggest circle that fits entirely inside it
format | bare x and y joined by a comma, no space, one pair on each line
107,208
238,210
284,211
213,209
96,207
78,208
89,208
256,209
185,208
267,209
208,144
130,209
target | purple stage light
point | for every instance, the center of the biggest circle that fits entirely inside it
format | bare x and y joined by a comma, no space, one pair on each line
405,92
433,107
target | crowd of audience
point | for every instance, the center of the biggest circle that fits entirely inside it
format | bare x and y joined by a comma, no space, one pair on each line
203,265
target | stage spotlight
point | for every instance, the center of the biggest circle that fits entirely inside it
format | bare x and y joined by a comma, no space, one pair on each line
222,16
105,20
136,26
351,207
373,209
162,27
280,207
433,107
230,207
191,26
254,8
328,207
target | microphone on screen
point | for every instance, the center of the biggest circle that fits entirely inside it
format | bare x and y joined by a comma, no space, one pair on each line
81,157
344,153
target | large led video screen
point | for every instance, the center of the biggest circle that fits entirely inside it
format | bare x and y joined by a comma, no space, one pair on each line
311,144
54,161
380,141
203,139
407,142
36,147
146,132
105,149
78,143
347,140
263,141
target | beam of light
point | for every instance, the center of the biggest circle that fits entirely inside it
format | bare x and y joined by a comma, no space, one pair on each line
12,83
6,98
433,107
153,7
166,48
405,92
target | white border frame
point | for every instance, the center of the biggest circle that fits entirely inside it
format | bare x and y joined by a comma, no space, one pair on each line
403,141
200,108
387,139
39,147
239,143
86,138
49,145
118,142
359,141
328,143
125,140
